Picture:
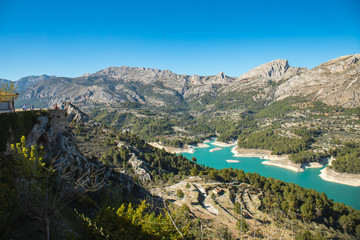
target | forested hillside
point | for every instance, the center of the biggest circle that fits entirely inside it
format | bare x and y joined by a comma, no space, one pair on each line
107,208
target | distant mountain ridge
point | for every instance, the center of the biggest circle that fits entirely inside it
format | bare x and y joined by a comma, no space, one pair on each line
336,82
26,82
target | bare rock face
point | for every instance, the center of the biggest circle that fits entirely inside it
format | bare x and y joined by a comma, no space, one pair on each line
262,77
195,80
26,82
119,84
142,76
199,91
273,70
340,64
77,116
336,82
198,86
139,167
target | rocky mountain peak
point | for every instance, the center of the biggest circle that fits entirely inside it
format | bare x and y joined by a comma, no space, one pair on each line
86,75
340,64
133,73
26,82
195,79
221,76
335,82
272,70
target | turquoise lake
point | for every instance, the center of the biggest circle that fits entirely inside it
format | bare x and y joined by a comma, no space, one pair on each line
307,179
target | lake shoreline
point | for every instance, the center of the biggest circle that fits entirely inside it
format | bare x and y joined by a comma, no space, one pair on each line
223,144
186,149
331,175
281,161
273,160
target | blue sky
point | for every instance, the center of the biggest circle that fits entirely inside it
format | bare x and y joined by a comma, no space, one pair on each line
69,38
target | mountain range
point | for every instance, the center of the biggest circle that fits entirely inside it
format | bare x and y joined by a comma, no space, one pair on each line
336,82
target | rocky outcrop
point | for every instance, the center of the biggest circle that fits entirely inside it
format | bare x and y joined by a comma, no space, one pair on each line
75,115
51,131
273,70
336,82
139,167
263,78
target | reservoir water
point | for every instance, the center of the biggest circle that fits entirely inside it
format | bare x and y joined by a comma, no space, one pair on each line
307,179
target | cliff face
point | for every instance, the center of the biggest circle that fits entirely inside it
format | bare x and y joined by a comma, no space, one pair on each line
263,79
50,130
336,82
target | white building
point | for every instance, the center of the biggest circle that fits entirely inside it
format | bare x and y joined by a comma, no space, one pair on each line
7,102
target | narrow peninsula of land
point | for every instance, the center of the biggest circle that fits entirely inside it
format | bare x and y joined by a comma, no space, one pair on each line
331,175
274,160
186,149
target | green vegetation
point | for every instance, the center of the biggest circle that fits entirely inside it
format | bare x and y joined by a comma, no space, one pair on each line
293,125
8,196
306,156
113,217
150,128
267,139
129,104
280,199
307,235
115,156
284,127
7,91
352,111
347,158
229,101
39,194
228,130
128,222
238,100
180,194
278,109
158,159
15,125
242,226
113,118
283,200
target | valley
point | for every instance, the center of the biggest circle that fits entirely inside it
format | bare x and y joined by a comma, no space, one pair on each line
116,120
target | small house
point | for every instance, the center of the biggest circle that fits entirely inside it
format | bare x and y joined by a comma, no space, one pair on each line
7,102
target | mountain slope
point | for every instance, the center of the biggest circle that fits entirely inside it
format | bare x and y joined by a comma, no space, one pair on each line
335,82
120,84
24,83
5,81
264,79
